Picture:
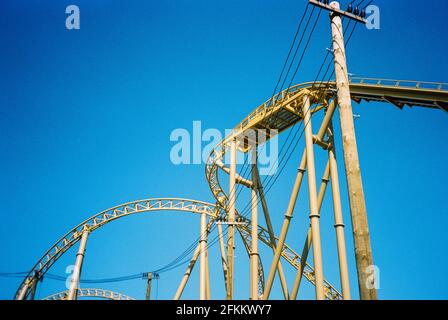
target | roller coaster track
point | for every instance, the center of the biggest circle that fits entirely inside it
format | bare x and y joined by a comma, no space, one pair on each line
160,204
91,293
280,112
284,110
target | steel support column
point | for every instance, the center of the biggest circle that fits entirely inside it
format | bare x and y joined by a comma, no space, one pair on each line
338,220
223,254
24,290
231,219
308,241
202,267
314,212
74,284
207,276
285,227
270,229
187,273
254,218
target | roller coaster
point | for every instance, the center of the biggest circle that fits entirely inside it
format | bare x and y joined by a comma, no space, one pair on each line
280,112
298,104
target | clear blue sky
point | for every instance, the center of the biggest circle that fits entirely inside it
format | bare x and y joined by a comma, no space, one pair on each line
86,117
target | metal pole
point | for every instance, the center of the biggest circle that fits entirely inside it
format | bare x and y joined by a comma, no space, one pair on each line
254,218
207,276
202,267
323,187
272,239
223,254
363,250
231,219
285,226
308,240
74,284
191,265
148,286
314,212
301,171
187,273
24,290
338,220
33,289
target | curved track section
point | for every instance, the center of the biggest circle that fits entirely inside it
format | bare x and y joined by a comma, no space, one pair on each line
284,110
91,293
149,205
111,214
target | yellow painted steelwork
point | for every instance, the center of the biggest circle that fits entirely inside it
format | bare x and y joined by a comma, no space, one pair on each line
280,113
163,204
90,293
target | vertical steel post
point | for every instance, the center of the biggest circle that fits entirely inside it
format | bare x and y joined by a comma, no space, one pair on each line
254,218
231,219
291,205
74,284
308,240
223,254
148,286
203,258
207,276
363,250
338,220
314,211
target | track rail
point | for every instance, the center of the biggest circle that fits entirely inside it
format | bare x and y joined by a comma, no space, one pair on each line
91,293
284,110
157,204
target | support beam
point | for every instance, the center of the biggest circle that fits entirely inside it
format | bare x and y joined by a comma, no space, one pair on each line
187,273
203,258
308,241
338,220
223,254
285,227
271,233
293,198
74,284
191,265
24,290
207,276
231,219
314,212
36,279
363,250
254,218
323,187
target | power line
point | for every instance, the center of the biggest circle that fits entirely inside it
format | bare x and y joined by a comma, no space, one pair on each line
244,214
191,248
